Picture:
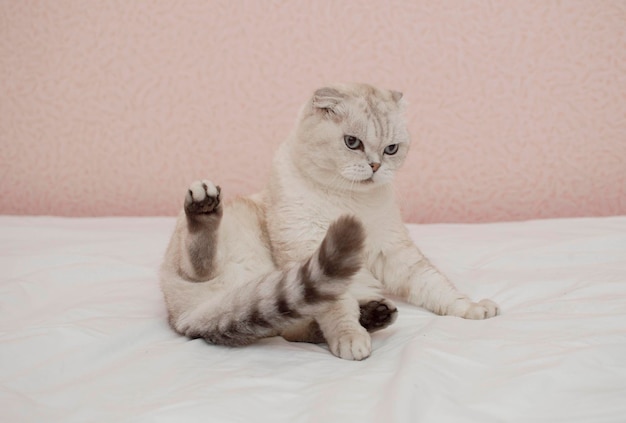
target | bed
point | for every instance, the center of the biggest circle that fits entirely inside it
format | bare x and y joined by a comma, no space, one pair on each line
84,337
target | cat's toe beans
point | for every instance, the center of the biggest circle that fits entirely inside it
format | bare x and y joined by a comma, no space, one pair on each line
201,189
377,314
210,188
197,192
202,197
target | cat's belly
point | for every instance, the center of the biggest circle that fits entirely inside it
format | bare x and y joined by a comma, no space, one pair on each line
244,250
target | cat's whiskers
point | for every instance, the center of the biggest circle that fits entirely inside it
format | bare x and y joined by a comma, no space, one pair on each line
352,184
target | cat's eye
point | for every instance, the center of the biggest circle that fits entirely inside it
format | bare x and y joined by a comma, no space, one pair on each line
353,143
392,149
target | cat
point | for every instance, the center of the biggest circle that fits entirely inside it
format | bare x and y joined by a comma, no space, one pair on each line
310,256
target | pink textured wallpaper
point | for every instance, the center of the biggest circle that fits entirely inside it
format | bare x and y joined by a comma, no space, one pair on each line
517,108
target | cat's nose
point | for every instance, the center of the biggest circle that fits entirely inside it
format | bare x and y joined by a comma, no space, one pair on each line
375,166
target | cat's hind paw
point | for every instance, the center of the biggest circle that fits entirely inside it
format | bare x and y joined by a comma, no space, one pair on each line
202,198
377,314
484,309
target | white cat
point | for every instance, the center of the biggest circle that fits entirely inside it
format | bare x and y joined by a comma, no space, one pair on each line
309,257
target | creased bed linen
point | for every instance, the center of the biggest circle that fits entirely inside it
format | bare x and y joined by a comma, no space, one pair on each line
84,338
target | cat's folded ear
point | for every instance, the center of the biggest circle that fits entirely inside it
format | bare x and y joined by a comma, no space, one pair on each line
327,99
396,95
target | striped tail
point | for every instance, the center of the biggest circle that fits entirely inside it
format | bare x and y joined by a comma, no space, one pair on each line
263,307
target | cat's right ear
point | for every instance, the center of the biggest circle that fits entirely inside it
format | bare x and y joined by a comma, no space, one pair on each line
327,99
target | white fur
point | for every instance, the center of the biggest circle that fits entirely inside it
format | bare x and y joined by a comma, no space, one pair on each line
304,195
315,179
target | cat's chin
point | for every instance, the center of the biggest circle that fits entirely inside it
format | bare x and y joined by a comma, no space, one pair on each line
369,180
366,184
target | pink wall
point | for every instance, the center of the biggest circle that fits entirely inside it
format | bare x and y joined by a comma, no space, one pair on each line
517,108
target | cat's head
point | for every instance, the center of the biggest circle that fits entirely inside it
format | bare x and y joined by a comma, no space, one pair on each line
352,137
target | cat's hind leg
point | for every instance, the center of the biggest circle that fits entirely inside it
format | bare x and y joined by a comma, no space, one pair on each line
240,312
203,214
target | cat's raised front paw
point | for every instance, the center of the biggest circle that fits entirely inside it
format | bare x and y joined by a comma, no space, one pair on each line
483,309
203,197
377,314
355,345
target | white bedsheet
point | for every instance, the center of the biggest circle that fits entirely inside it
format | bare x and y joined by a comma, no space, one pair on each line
83,334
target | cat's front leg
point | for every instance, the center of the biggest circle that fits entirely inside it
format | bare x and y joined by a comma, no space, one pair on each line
408,273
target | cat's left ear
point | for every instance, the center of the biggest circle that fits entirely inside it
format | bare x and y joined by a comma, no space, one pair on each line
327,99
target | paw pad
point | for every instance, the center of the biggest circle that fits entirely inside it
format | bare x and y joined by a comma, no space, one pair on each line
378,314
203,197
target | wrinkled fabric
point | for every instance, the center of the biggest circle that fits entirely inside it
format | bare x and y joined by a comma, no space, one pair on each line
84,337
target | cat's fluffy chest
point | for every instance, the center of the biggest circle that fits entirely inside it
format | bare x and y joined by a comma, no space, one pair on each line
299,214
